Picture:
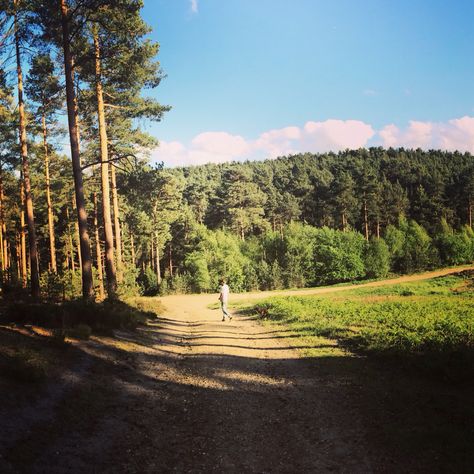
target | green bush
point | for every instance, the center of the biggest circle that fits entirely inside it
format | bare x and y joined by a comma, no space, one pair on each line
377,259
196,265
338,256
148,282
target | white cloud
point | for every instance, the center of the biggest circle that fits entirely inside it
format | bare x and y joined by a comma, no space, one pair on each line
278,142
335,135
218,147
193,4
317,137
456,134
220,143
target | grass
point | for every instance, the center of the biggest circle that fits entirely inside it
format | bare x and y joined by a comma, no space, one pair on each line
431,321
28,356
74,316
34,337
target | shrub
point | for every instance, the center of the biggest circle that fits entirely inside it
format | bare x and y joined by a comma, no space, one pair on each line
148,282
101,317
197,266
377,259
338,256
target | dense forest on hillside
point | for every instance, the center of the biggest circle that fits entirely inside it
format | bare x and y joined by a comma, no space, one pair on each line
114,224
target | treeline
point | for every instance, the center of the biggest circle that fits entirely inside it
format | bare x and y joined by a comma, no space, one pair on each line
365,190
302,255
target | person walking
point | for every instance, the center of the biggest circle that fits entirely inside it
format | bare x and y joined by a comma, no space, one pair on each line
224,298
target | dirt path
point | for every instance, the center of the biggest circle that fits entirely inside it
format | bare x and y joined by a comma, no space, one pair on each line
333,289
192,394
244,401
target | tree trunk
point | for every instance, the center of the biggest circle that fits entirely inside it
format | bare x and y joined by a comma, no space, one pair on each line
104,158
117,228
5,242
8,254
52,246
98,252
71,244
158,269
24,271
30,218
152,256
470,214
78,235
366,222
344,221
132,245
2,226
3,267
87,284
170,266
18,256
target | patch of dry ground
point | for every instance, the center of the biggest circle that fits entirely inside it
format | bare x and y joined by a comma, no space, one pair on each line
190,393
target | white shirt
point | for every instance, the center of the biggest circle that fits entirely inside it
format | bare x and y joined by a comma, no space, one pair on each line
224,296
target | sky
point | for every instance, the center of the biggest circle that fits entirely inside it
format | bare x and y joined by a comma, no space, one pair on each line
256,79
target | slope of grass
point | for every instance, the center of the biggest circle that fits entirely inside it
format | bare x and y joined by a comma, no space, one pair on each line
430,320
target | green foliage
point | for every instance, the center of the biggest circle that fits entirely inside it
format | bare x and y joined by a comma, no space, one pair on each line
454,248
197,266
377,259
411,247
53,286
180,283
148,282
129,285
338,256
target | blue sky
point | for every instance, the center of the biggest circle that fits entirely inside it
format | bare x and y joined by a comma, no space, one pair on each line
258,78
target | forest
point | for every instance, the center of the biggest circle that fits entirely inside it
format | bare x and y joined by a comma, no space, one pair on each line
83,211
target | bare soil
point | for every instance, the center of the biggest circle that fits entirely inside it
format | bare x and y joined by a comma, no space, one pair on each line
190,393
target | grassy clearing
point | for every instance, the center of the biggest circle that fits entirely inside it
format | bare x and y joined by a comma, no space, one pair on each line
430,321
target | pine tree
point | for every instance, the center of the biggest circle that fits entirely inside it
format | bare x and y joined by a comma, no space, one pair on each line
44,89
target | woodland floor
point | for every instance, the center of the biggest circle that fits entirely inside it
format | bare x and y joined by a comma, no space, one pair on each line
189,393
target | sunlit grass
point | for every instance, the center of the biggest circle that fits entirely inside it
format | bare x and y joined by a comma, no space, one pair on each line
432,318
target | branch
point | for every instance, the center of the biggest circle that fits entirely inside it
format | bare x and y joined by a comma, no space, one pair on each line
115,106
111,160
